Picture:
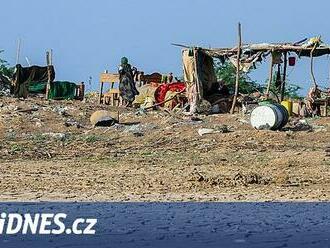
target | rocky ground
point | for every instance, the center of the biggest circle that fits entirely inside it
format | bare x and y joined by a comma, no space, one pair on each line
50,151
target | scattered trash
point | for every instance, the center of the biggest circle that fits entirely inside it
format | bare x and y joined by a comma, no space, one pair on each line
248,107
71,122
196,119
136,130
38,124
141,111
223,129
4,92
317,128
243,121
30,110
217,129
289,133
57,136
61,110
102,118
203,131
10,108
4,86
303,125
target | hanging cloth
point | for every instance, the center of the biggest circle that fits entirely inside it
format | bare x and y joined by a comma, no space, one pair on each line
278,81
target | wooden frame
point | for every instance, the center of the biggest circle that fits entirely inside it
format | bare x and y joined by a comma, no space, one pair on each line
114,94
325,103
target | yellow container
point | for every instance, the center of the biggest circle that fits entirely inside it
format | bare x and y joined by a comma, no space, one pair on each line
288,106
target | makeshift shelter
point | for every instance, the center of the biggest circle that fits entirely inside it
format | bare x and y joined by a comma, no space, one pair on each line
200,78
199,72
25,75
34,80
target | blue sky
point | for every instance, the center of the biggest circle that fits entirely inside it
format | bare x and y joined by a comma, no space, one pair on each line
88,37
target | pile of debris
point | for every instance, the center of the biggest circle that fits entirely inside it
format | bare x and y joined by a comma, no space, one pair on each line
4,85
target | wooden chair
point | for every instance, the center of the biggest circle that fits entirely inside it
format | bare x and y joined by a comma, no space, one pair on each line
112,97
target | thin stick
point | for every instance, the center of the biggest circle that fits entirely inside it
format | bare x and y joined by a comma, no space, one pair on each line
284,75
18,51
48,59
237,68
51,57
28,61
101,100
198,88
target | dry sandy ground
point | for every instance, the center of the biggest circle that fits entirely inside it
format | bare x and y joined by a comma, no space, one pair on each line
155,157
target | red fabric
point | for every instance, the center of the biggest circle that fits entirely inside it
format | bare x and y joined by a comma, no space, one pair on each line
161,91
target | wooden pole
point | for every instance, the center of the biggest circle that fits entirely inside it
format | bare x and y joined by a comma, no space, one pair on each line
48,60
232,110
270,75
312,66
101,100
18,51
198,83
284,76
51,57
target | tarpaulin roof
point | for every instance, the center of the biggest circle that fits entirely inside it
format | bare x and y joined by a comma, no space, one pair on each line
300,50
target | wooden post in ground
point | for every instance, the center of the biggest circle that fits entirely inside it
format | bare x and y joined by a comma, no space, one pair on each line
312,66
239,48
101,100
270,75
49,61
284,76
18,51
198,82
51,57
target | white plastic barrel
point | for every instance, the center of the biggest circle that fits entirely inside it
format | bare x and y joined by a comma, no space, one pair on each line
270,116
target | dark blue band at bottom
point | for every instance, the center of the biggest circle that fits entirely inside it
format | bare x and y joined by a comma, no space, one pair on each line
172,225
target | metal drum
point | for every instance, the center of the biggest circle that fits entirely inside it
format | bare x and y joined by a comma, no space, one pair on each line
271,116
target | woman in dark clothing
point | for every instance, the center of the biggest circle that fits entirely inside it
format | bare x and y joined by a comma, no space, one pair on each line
127,86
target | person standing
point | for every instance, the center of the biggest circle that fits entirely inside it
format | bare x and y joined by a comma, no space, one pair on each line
312,108
127,86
